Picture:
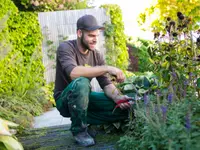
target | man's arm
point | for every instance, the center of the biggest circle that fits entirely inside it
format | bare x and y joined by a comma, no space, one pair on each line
90,72
112,92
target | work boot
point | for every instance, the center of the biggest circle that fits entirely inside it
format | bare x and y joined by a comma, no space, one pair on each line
84,139
92,132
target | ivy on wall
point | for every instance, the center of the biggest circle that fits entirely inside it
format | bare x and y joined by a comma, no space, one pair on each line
117,53
7,6
25,39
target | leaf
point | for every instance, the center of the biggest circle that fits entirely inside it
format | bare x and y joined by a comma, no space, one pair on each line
10,143
2,146
142,91
129,87
117,125
9,123
164,57
195,134
146,83
165,64
151,60
4,130
198,83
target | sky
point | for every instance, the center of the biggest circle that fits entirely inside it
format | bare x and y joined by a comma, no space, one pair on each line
130,11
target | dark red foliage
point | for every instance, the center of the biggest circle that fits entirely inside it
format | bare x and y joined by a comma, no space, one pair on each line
133,66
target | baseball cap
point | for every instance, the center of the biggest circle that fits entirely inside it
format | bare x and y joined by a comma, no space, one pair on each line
89,23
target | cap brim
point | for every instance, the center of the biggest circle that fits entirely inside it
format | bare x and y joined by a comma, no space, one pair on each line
95,28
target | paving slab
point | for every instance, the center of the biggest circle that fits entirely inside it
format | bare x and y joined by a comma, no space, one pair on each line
50,118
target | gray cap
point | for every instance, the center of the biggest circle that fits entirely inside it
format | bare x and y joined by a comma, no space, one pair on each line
89,23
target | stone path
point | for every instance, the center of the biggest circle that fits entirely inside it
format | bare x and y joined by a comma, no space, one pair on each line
50,118
60,138
51,132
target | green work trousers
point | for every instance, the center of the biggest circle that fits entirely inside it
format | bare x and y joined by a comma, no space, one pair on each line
86,107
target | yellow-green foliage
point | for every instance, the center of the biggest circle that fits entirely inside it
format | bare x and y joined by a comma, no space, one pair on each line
115,38
7,6
21,64
169,8
21,75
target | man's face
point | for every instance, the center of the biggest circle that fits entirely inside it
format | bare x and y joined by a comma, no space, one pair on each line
89,39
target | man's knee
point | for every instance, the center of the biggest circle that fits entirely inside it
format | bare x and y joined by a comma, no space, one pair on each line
80,93
82,84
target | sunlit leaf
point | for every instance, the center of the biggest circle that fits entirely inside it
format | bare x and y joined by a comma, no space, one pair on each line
10,143
4,130
129,87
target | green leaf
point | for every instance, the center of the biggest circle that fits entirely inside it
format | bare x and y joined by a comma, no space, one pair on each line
129,87
142,91
117,125
198,83
10,143
2,146
146,83
195,134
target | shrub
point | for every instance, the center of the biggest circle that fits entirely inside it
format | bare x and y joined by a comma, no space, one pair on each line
116,50
21,76
161,120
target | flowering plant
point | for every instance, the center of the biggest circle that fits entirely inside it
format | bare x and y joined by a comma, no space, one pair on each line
161,123
161,120
168,116
176,54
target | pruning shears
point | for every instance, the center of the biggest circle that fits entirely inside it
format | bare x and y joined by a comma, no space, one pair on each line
126,101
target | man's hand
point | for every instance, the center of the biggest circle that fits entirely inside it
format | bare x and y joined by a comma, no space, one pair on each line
124,105
117,73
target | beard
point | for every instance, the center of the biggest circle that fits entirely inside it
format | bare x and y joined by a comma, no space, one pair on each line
85,44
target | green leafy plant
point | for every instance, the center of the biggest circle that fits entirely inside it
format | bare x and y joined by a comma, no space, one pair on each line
7,140
162,9
161,123
48,88
139,84
139,56
116,53
21,75
162,120
175,52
